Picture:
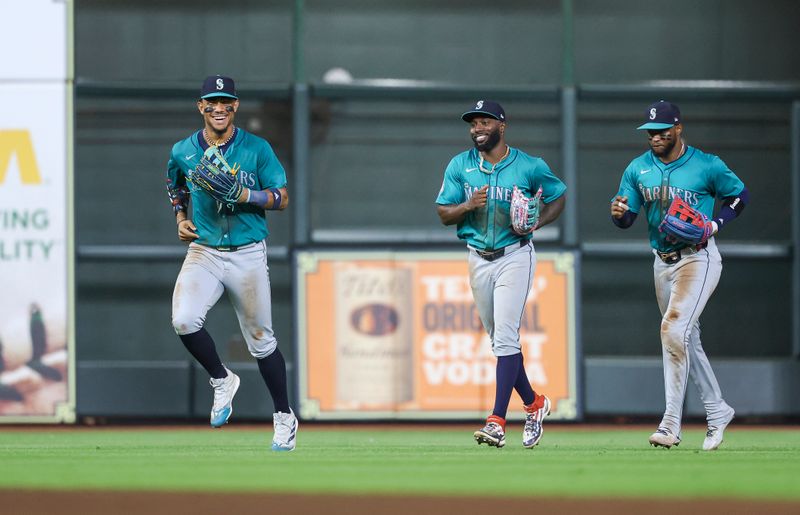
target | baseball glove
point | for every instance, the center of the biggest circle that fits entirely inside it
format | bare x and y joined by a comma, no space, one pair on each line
217,177
683,223
524,211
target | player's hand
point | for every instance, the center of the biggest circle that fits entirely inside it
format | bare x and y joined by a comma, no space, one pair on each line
186,230
478,199
619,206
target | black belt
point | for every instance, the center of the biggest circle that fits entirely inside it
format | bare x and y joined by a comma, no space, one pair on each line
229,248
673,257
491,255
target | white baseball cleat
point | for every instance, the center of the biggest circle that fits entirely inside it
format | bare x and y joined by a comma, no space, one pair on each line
532,432
285,424
663,437
714,433
224,390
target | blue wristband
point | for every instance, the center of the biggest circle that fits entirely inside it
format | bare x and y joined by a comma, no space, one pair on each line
261,198
258,198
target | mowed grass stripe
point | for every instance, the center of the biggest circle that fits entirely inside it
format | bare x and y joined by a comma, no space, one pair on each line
752,464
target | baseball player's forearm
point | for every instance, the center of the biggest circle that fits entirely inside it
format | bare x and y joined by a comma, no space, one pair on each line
453,213
271,199
621,214
178,196
624,221
731,208
551,211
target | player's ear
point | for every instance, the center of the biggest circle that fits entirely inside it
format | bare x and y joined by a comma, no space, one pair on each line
200,105
678,129
235,105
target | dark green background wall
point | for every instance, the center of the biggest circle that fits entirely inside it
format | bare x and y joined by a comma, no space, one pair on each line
377,163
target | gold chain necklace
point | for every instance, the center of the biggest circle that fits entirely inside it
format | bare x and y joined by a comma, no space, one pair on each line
484,170
218,144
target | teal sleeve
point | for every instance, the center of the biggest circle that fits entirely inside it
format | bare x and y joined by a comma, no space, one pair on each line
552,186
271,173
724,182
627,188
175,176
451,191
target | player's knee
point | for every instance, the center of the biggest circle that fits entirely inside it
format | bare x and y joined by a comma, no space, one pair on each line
672,337
186,323
260,349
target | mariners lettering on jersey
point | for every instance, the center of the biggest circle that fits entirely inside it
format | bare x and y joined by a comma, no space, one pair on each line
248,179
654,193
493,193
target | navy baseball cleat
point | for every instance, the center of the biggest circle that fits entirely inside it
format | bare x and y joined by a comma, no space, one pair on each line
492,433
534,416
224,390
285,425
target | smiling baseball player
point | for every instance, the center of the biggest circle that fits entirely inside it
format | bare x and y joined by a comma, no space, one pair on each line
492,194
232,177
675,185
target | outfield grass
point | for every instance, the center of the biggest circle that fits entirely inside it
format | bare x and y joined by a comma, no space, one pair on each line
573,462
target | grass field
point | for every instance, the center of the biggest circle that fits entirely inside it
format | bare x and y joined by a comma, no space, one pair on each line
571,462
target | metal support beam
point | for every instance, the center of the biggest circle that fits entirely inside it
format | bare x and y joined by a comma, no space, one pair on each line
298,38
569,151
301,121
795,145
301,149
569,126
567,48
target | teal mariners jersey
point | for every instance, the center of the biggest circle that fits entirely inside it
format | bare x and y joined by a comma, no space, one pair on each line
489,227
227,225
698,178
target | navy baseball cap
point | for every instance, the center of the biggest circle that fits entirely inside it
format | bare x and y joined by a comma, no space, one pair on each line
218,86
485,108
661,115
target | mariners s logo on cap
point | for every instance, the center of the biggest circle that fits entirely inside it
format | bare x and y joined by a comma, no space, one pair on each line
218,86
487,108
661,115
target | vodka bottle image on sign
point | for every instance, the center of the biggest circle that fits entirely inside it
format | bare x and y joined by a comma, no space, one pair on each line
374,333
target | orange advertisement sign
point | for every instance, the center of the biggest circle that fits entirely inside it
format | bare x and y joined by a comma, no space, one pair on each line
397,335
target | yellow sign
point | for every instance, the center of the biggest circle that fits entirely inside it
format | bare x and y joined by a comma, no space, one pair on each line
18,142
397,335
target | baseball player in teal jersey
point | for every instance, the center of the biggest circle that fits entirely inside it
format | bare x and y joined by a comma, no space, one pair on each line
476,195
228,252
685,274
